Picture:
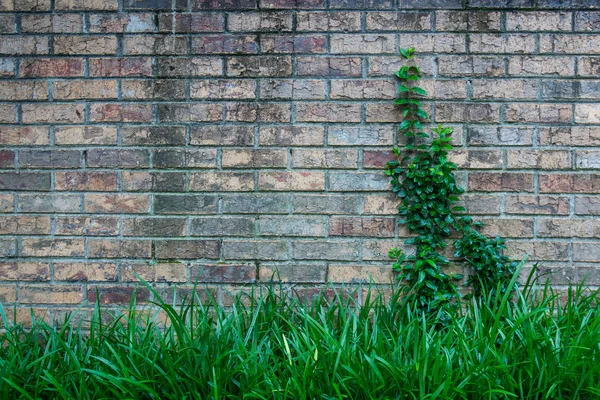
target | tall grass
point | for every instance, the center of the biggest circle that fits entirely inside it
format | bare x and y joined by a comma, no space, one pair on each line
538,345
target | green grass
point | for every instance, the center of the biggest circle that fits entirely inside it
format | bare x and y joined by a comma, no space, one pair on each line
538,345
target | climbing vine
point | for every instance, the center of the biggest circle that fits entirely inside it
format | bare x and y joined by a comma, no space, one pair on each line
423,178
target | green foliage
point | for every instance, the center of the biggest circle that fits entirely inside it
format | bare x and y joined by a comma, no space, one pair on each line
423,178
278,347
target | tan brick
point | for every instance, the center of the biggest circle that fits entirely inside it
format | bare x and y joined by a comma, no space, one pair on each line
541,65
568,228
360,274
572,183
587,205
6,203
513,227
85,272
7,114
75,90
378,250
569,136
291,181
471,66
361,226
296,273
362,89
223,89
17,45
586,251
222,181
119,248
292,89
54,294
587,113
328,21
435,43
538,21
25,271
70,135
24,90
527,204
538,250
52,113
328,66
504,89
155,45
111,112
339,159
258,158
62,23
380,204
85,45
24,225
544,113
327,112
502,43
362,43
569,44
455,112
116,203
291,135
255,249
538,159
467,21
477,159
153,89
52,247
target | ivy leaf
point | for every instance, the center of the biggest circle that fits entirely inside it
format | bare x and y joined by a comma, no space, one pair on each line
419,91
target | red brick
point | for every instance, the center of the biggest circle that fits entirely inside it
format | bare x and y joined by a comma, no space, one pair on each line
116,203
86,181
117,294
190,23
126,67
51,67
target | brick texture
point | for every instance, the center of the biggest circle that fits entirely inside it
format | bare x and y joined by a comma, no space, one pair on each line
232,141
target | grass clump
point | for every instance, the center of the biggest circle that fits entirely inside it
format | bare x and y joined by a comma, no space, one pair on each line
536,345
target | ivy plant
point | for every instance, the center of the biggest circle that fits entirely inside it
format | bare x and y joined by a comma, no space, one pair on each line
423,178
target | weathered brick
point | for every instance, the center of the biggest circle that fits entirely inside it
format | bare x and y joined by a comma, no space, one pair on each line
291,135
154,226
538,159
481,204
512,227
258,112
176,5
456,112
153,181
571,183
7,67
129,66
587,205
362,43
587,113
221,135
325,250
358,181
505,136
223,89
327,112
7,159
54,294
181,112
255,249
297,44
85,272
362,89
86,5
442,42
185,204
292,273
264,22
76,90
17,45
116,203
398,21
527,204
113,112
222,181
117,158
588,159
502,43
501,181
219,44
52,247
361,226
25,271
50,203
24,225
588,66
360,4
187,249
292,89
85,181
190,23
117,295
538,250
8,23
360,274
292,4
49,158
85,45
222,226
122,23
586,251
6,203
541,65
183,158
223,4
156,44
118,248
291,226
8,248
52,113
470,66
380,204
28,90
87,225
162,272
250,203
569,44
327,21
371,135
388,65
540,113
469,21
8,114
329,158
568,228
60,23
159,89
153,136
325,204
258,158
477,159
38,181
328,66
509,89
291,181
259,66
538,21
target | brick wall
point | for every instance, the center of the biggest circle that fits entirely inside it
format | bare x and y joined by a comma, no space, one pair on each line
224,140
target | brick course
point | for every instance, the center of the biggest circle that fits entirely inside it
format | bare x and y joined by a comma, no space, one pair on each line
231,141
